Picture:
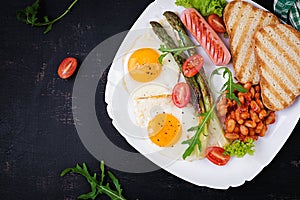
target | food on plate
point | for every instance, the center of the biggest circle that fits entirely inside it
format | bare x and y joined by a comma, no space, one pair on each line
164,130
277,53
192,65
67,67
217,155
181,94
242,19
206,36
216,23
239,148
248,119
205,7
143,65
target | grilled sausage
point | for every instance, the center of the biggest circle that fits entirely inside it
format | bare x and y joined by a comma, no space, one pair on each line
206,36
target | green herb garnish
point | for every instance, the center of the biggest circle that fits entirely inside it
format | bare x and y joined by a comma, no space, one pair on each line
29,16
230,86
165,50
226,35
97,186
239,149
195,140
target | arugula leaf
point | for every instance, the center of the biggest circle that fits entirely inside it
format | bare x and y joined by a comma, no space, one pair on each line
116,182
161,57
194,128
230,86
102,172
29,16
165,50
97,187
195,139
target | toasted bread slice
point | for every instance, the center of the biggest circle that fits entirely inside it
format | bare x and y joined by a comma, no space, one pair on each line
242,19
277,52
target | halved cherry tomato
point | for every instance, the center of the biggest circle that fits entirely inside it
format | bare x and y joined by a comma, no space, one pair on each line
216,156
181,94
216,23
192,65
67,67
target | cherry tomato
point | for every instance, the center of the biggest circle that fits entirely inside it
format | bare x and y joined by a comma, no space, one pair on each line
67,67
192,65
181,94
216,156
216,23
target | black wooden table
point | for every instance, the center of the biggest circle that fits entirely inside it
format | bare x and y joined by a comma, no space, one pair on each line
38,138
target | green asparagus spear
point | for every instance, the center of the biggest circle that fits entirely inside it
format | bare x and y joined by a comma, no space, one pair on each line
166,39
177,25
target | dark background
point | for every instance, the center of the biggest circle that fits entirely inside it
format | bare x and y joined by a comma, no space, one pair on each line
37,134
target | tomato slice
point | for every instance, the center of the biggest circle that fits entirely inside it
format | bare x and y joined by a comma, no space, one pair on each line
216,156
67,67
181,94
192,65
216,23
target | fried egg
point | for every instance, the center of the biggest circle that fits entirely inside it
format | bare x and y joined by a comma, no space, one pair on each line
141,64
165,123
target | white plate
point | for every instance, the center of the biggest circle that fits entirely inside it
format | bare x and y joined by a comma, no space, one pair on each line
199,172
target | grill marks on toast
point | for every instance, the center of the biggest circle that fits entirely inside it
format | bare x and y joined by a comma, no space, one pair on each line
242,20
243,16
273,81
276,91
275,61
292,45
245,60
282,54
277,53
270,99
242,50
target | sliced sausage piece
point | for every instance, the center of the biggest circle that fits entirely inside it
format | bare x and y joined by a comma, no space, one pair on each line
206,36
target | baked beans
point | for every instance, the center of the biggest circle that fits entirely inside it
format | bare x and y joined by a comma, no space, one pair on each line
249,119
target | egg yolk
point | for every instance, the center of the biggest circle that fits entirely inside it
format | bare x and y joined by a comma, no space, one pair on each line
164,130
143,65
